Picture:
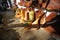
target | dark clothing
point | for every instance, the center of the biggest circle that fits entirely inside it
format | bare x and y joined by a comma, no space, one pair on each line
1,16
56,25
3,4
34,3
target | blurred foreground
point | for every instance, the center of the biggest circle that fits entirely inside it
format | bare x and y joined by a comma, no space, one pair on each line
13,31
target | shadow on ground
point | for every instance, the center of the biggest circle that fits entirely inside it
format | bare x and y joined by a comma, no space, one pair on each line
8,34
